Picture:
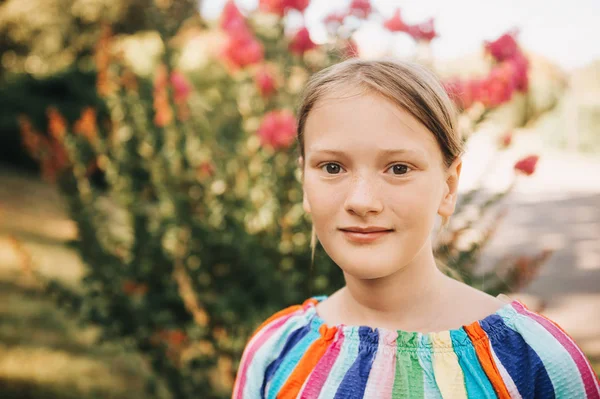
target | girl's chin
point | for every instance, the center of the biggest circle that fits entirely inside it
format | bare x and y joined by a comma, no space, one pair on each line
366,270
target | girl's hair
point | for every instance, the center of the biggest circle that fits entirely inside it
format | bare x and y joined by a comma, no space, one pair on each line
410,86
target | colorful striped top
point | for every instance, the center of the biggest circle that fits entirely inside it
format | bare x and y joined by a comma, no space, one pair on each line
512,353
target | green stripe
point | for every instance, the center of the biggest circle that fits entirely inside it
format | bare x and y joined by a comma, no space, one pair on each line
408,381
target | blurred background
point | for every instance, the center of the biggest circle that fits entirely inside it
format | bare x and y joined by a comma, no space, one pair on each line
150,202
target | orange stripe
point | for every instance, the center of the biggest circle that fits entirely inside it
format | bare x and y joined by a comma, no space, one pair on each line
307,363
482,347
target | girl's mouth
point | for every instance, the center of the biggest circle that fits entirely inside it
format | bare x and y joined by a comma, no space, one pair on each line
365,237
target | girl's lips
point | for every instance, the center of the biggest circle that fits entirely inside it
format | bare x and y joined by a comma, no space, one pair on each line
364,237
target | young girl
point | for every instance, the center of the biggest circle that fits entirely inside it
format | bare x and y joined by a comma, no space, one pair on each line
381,157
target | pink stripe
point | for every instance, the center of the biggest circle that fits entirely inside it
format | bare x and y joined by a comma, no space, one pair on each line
319,375
592,389
387,369
259,339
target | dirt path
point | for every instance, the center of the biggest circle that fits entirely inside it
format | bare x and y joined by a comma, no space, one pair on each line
556,208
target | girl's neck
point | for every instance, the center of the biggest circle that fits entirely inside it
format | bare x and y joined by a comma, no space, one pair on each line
411,298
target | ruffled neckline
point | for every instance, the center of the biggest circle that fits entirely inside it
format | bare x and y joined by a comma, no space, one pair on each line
438,341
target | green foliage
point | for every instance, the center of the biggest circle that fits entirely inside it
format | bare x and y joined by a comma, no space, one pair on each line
69,91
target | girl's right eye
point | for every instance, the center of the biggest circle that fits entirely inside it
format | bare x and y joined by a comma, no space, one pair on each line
331,168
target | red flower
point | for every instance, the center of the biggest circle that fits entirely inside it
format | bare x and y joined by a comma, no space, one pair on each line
205,169
335,19
86,125
243,49
423,31
163,114
504,47
176,337
464,93
280,7
520,66
527,165
301,42
132,288
506,139
495,89
57,125
299,5
395,23
231,18
173,337
360,8
278,129
33,142
350,49
265,81
181,86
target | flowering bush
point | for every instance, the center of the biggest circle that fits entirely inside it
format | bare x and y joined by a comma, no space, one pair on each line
200,233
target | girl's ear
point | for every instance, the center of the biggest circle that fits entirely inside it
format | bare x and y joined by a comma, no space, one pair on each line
305,204
448,202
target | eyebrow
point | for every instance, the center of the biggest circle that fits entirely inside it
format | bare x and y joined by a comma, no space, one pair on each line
385,151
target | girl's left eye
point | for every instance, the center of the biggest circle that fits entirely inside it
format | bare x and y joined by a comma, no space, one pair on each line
399,169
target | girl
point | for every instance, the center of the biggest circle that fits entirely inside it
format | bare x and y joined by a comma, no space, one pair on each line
381,157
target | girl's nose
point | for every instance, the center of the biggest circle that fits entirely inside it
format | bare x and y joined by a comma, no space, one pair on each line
363,197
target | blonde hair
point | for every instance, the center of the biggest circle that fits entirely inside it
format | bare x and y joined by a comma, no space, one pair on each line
410,86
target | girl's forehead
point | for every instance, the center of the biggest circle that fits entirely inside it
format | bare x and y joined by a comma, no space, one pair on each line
366,121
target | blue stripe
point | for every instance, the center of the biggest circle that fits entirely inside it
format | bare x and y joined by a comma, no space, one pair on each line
431,390
566,379
355,381
270,371
476,381
518,358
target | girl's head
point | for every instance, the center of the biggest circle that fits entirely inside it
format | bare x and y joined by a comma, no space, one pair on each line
379,146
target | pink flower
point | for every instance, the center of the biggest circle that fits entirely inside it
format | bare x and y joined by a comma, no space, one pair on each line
231,18
423,31
299,5
243,49
163,114
301,42
280,7
265,81
520,65
335,19
395,23
456,90
527,165
506,139
181,87
360,8
495,89
350,49
205,169
504,47
278,129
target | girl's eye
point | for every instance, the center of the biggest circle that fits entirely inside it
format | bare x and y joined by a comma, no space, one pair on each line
332,168
399,169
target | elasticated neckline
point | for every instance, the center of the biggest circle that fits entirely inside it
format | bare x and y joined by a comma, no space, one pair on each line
439,341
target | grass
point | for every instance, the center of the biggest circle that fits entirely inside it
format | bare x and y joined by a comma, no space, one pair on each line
44,353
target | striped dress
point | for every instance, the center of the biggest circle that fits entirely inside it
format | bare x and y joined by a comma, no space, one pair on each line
512,353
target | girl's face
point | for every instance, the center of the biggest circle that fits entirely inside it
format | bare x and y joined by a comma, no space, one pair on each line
369,163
